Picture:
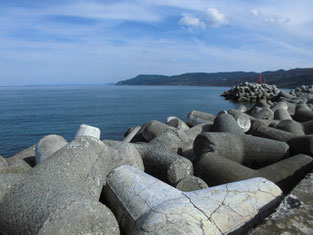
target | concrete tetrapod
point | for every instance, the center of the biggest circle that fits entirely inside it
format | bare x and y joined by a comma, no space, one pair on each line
196,117
216,170
303,113
259,129
227,123
176,122
248,150
160,156
60,195
86,130
144,205
47,146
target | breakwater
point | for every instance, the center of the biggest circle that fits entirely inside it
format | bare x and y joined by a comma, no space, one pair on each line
209,174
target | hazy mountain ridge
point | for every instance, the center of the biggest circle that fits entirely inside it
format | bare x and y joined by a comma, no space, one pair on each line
281,78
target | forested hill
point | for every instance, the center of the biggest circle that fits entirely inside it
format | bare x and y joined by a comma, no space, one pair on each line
281,78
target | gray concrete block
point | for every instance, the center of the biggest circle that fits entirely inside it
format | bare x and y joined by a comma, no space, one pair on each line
132,134
17,166
282,114
69,184
28,155
248,150
216,170
176,122
191,183
145,205
243,120
301,144
196,117
47,146
261,112
294,216
259,129
303,113
241,108
291,126
3,165
86,130
227,123
152,129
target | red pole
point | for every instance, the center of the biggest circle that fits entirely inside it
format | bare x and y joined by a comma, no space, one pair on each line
260,79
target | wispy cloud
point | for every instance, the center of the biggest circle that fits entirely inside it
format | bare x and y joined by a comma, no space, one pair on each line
105,40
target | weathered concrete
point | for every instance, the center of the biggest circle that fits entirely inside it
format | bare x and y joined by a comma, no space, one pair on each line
3,165
303,113
191,183
145,205
279,105
86,130
132,134
196,117
291,126
17,166
243,120
241,108
152,129
259,129
176,122
215,170
262,111
294,216
160,156
227,123
48,145
69,184
282,114
301,144
248,150
28,155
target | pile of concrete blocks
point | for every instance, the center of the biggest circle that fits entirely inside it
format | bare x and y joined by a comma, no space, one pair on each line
211,174
251,92
298,91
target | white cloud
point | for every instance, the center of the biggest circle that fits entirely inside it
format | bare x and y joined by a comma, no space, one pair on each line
215,18
269,18
191,22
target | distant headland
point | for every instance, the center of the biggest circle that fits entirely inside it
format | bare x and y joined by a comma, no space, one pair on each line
281,78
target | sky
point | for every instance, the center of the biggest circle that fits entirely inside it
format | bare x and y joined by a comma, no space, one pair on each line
103,41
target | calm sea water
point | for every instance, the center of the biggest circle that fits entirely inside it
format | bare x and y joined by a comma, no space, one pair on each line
29,113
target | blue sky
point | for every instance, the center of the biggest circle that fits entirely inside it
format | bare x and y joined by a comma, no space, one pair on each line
101,41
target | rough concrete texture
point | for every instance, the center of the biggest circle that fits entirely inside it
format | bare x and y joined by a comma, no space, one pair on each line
243,120
301,144
282,114
3,165
259,129
28,155
262,112
131,134
291,126
160,156
303,113
227,123
279,105
176,122
48,145
241,108
60,195
86,130
248,150
17,166
215,170
144,205
191,183
294,216
153,129
196,117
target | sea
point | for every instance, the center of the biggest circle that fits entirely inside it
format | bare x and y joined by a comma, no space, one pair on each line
29,113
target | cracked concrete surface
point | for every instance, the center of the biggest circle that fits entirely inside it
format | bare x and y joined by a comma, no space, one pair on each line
143,204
